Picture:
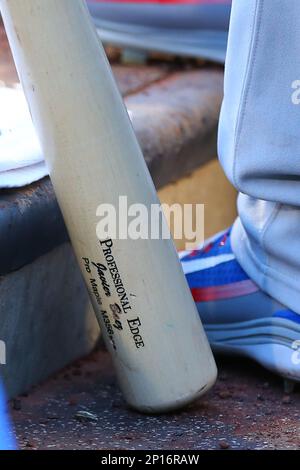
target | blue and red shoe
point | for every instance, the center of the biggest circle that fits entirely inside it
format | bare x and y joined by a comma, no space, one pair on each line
238,317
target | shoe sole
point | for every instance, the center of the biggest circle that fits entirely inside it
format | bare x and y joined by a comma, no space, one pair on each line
272,342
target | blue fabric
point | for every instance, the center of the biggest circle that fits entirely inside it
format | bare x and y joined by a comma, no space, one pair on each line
288,315
7,441
225,273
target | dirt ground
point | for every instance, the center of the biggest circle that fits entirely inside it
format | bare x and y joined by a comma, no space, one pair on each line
247,409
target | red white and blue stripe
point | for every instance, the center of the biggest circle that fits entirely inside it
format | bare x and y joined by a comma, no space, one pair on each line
238,317
213,273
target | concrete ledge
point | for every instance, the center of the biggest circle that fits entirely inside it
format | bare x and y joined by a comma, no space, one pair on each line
46,319
176,121
30,225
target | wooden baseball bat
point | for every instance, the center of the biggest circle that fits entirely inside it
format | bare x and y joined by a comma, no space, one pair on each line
140,296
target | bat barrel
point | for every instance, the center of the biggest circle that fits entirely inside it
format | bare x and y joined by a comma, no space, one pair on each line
140,296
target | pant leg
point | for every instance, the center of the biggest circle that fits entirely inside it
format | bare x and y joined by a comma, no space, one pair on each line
259,142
